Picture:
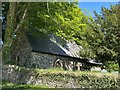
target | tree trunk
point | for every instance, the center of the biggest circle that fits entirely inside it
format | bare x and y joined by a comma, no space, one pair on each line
9,32
12,28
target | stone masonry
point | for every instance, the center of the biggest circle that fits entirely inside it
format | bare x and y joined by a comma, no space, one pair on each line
43,60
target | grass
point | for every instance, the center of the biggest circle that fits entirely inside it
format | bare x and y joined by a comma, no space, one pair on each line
8,85
58,70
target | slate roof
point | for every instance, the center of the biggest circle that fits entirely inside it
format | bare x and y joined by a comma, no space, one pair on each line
52,44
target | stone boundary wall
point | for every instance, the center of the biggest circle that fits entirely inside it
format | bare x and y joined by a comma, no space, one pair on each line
22,75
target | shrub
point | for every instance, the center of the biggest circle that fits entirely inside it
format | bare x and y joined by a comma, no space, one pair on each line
112,66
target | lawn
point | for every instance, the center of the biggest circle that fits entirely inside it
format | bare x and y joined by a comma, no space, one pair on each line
9,85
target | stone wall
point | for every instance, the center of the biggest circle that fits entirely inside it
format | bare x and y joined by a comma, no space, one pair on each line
43,60
22,75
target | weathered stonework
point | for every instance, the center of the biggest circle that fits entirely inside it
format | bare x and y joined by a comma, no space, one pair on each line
21,75
40,60
43,60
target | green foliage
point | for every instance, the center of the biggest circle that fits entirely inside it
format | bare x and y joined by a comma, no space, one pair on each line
63,19
112,66
105,41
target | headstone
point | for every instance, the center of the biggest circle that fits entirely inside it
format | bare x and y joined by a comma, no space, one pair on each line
95,69
103,70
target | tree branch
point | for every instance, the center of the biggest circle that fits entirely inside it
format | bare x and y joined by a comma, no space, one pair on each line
22,19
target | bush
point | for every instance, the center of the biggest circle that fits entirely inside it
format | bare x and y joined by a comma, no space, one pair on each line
112,66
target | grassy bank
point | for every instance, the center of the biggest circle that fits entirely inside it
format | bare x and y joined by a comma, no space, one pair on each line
77,73
59,78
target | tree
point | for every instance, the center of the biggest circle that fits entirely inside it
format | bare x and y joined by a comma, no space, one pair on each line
108,26
16,16
62,19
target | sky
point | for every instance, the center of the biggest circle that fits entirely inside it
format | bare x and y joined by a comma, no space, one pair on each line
95,6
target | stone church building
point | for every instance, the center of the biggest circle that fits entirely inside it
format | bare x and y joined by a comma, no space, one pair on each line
46,51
